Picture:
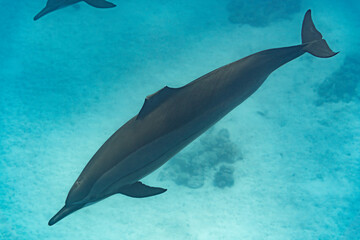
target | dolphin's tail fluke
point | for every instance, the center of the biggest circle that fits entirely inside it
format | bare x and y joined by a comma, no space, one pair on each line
312,39
65,211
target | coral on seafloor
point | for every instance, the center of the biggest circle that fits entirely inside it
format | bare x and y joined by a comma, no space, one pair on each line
193,166
224,177
343,85
261,13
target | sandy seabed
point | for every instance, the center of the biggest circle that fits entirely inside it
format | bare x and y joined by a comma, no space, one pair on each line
69,80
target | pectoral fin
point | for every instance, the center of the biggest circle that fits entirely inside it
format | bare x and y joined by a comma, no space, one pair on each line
140,190
100,3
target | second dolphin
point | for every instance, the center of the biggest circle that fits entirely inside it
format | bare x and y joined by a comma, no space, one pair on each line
53,5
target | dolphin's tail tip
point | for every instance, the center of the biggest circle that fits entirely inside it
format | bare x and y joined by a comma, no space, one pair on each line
313,40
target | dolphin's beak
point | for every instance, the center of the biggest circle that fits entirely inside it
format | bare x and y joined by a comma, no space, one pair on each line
42,13
66,210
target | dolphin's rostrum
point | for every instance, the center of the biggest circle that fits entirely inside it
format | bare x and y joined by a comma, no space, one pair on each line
172,118
53,5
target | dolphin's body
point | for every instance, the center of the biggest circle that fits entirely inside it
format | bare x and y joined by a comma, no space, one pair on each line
53,5
172,118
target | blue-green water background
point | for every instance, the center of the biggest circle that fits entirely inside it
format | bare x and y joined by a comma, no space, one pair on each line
71,79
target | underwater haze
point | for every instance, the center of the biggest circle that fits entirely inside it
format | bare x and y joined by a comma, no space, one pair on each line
285,164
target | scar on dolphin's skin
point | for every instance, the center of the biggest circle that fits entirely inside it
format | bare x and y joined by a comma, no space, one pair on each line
53,5
172,118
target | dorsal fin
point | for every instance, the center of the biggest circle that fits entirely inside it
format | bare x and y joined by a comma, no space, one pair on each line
154,100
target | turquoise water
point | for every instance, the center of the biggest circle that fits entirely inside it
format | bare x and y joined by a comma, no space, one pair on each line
285,164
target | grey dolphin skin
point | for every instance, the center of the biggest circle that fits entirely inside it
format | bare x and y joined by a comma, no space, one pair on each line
53,5
172,118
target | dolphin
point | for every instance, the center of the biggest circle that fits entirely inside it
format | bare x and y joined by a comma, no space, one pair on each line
172,118
53,5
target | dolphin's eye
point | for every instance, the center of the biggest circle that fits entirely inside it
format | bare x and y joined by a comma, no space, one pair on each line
78,182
